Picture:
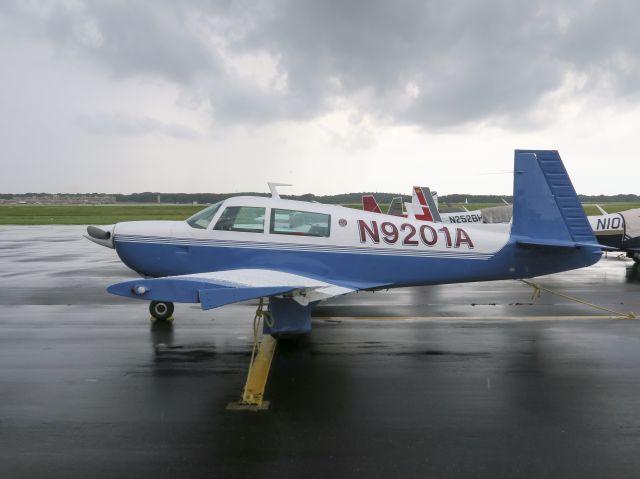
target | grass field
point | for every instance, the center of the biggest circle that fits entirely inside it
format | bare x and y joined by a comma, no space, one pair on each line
109,214
86,215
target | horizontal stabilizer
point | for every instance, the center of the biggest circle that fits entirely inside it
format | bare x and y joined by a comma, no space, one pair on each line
545,243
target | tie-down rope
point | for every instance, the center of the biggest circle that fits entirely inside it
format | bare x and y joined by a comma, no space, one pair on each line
537,291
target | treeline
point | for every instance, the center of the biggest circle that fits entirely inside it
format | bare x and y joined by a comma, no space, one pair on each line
348,198
207,198
345,198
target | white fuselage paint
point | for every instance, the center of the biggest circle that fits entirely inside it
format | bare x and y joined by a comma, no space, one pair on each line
351,231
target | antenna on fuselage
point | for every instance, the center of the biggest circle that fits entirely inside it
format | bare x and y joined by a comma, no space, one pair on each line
273,187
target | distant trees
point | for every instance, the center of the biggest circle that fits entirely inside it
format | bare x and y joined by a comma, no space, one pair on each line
347,198
344,198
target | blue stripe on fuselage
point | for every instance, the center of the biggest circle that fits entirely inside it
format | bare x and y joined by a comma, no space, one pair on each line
164,258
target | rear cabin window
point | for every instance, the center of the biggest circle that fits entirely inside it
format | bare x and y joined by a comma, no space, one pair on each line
302,223
241,218
202,218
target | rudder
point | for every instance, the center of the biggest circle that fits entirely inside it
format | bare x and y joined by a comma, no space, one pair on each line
545,204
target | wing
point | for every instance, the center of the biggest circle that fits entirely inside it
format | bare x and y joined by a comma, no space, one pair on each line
218,288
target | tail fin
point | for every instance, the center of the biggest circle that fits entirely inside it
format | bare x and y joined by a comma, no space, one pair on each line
370,204
418,197
422,196
395,207
546,208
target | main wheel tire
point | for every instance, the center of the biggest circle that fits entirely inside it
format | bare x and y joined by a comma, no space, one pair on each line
161,310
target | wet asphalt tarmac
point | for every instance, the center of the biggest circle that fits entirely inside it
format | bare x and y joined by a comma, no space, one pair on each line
462,382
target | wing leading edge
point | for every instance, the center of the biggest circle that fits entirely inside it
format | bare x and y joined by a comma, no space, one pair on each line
219,288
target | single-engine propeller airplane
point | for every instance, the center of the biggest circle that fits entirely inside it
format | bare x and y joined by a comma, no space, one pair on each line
300,253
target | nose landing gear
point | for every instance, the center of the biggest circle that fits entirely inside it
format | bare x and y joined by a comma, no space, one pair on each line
161,310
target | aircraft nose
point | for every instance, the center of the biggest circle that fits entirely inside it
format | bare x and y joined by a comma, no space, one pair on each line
102,235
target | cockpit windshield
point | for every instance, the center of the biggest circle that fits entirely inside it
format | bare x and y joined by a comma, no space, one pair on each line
202,218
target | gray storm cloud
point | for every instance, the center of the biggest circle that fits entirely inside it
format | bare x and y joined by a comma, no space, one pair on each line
431,64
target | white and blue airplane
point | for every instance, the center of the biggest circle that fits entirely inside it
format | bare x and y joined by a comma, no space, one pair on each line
299,253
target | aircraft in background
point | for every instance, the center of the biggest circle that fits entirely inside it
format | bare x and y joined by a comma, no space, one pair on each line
369,203
616,231
299,253
424,203
492,214
619,231
428,212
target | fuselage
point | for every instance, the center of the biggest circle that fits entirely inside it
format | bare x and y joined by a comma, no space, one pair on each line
334,243
463,217
609,229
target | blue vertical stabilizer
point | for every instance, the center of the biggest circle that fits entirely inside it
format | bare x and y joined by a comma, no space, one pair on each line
546,208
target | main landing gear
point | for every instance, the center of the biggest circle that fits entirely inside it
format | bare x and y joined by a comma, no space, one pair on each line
284,318
161,310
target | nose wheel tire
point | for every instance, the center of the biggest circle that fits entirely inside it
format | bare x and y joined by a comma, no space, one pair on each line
161,310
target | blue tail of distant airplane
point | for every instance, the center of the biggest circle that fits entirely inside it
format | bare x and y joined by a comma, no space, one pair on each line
546,208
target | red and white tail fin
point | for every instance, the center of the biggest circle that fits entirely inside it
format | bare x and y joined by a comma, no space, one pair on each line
370,204
417,197
422,196
425,215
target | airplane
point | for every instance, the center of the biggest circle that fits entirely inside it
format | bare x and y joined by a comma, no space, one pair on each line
616,231
298,253
395,208
425,207
492,214
369,203
424,213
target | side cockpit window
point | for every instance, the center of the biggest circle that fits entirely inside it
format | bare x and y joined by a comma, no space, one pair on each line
247,219
202,218
302,223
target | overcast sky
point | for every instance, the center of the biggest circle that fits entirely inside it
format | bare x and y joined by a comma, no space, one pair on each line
332,96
